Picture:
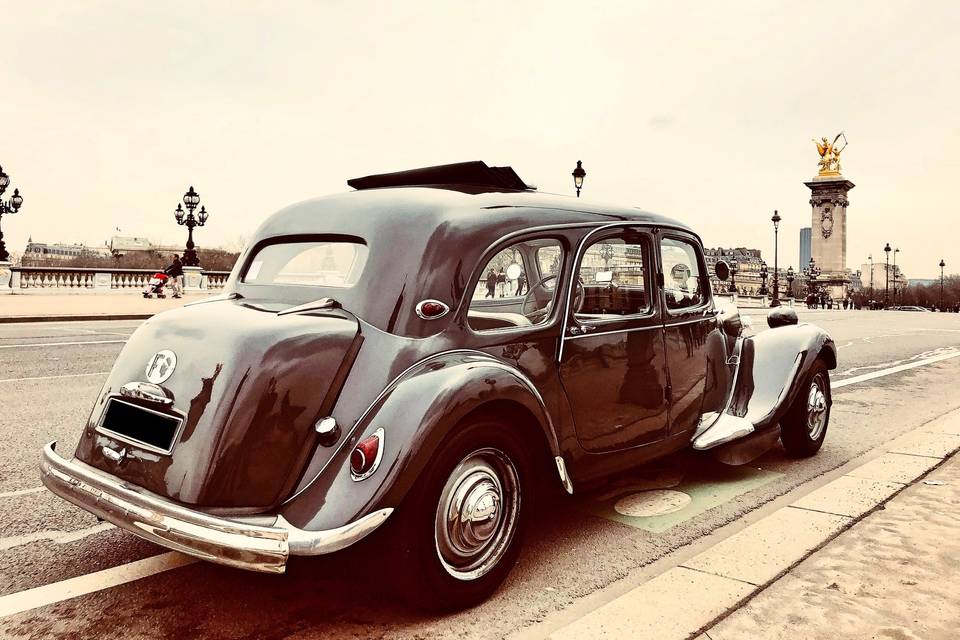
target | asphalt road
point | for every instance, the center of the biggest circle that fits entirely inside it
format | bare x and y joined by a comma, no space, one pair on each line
578,550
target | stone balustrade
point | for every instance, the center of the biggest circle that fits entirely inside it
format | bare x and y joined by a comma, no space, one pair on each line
98,280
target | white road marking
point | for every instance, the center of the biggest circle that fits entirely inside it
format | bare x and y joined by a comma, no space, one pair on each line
81,585
903,367
58,344
20,492
66,375
59,537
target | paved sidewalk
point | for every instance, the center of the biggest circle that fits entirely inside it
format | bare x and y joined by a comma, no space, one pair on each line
892,575
107,306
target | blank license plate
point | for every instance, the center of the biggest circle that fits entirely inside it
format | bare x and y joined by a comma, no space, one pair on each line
143,426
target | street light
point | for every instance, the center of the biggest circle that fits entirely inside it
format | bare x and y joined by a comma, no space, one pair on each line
11,206
895,252
776,274
578,176
886,283
791,276
763,279
942,265
732,289
191,199
870,258
812,271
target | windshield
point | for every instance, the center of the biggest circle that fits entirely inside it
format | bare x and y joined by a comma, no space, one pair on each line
323,264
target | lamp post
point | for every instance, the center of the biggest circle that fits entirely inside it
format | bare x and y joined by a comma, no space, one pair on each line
775,302
191,199
11,206
578,175
812,271
886,283
942,265
791,276
763,278
895,252
732,289
870,258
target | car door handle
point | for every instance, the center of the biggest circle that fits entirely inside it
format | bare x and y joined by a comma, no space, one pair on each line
577,331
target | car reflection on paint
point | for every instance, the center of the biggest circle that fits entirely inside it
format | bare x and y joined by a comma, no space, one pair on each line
425,355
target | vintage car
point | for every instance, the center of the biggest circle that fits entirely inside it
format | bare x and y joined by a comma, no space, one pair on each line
429,352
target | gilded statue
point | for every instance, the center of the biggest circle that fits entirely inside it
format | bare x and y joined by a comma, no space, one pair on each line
830,155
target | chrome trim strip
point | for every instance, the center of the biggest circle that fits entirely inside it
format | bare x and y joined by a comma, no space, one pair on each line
419,309
146,391
314,305
738,348
691,321
236,542
130,440
564,477
378,434
606,333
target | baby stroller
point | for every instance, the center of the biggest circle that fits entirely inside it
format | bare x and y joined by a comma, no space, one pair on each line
155,286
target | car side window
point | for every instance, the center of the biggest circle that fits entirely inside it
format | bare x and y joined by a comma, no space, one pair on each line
517,286
612,279
682,284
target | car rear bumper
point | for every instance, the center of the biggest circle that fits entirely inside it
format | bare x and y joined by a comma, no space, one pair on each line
257,543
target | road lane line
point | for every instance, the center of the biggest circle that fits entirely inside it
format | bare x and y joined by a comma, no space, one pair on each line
66,375
886,372
20,492
58,344
82,585
57,537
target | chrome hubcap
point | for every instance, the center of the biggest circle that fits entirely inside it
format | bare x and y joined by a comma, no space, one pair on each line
477,514
816,408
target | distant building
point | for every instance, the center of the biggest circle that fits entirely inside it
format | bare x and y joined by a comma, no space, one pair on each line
879,280
926,282
60,251
120,245
805,244
856,284
748,261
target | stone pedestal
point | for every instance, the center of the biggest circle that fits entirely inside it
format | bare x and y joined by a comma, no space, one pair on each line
192,279
6,275
828,199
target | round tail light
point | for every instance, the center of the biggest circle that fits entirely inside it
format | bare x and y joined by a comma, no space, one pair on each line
432,309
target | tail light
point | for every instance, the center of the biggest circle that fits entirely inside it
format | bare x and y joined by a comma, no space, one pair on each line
366,456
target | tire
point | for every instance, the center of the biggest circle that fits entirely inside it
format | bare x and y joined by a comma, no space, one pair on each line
446,564
804,427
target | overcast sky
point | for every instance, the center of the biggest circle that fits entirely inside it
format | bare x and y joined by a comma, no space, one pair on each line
701,111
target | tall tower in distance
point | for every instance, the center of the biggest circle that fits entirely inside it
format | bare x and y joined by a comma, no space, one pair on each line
828,199
805,251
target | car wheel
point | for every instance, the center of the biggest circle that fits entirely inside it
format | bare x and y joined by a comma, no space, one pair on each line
462,526
804,427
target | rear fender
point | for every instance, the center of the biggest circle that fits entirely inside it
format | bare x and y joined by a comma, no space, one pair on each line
417,411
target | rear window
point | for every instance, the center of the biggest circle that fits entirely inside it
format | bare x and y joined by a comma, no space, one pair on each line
318,264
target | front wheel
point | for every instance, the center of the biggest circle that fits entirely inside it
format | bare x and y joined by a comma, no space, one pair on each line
804,427
462,525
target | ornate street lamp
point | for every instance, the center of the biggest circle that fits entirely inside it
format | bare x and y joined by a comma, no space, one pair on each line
870,258
776,273
763,279
812,271
791,276
886,284
578,175
190,199
11,206
733,274
942,265
895,252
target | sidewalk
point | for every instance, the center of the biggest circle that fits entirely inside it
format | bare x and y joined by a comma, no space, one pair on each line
892,575
113,306
846,560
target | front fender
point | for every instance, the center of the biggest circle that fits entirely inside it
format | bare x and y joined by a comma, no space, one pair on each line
772,364
416,411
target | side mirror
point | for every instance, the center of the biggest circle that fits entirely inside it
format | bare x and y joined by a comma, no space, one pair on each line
722,269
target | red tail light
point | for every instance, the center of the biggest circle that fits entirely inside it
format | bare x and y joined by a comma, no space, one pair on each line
366,456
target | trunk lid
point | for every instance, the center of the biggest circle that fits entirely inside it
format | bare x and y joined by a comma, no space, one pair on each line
249,386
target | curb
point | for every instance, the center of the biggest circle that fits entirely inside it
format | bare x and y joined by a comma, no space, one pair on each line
92,316
695,595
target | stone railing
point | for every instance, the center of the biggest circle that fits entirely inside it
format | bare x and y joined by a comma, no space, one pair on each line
93,280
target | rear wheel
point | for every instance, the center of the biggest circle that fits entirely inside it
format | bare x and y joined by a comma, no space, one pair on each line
463,523
804,427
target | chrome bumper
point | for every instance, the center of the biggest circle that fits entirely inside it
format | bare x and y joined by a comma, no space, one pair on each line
237,542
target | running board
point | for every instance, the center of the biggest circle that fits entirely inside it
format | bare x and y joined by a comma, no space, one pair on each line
749,448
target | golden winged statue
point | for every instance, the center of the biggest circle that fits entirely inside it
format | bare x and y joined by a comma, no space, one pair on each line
830,155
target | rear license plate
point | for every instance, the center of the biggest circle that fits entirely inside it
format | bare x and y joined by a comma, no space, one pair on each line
139,425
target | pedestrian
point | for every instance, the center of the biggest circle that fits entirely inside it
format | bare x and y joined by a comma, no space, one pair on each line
175,271
521,282
491,283
502,282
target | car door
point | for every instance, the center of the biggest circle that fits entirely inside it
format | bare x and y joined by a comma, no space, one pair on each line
688,319
612,356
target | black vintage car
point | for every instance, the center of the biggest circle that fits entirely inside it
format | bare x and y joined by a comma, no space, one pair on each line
428,352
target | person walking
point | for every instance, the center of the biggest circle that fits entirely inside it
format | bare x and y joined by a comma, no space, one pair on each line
491,284
521,282
175,271
502,282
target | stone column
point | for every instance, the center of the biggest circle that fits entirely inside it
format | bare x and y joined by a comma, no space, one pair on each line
6,275
828,199
192,277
